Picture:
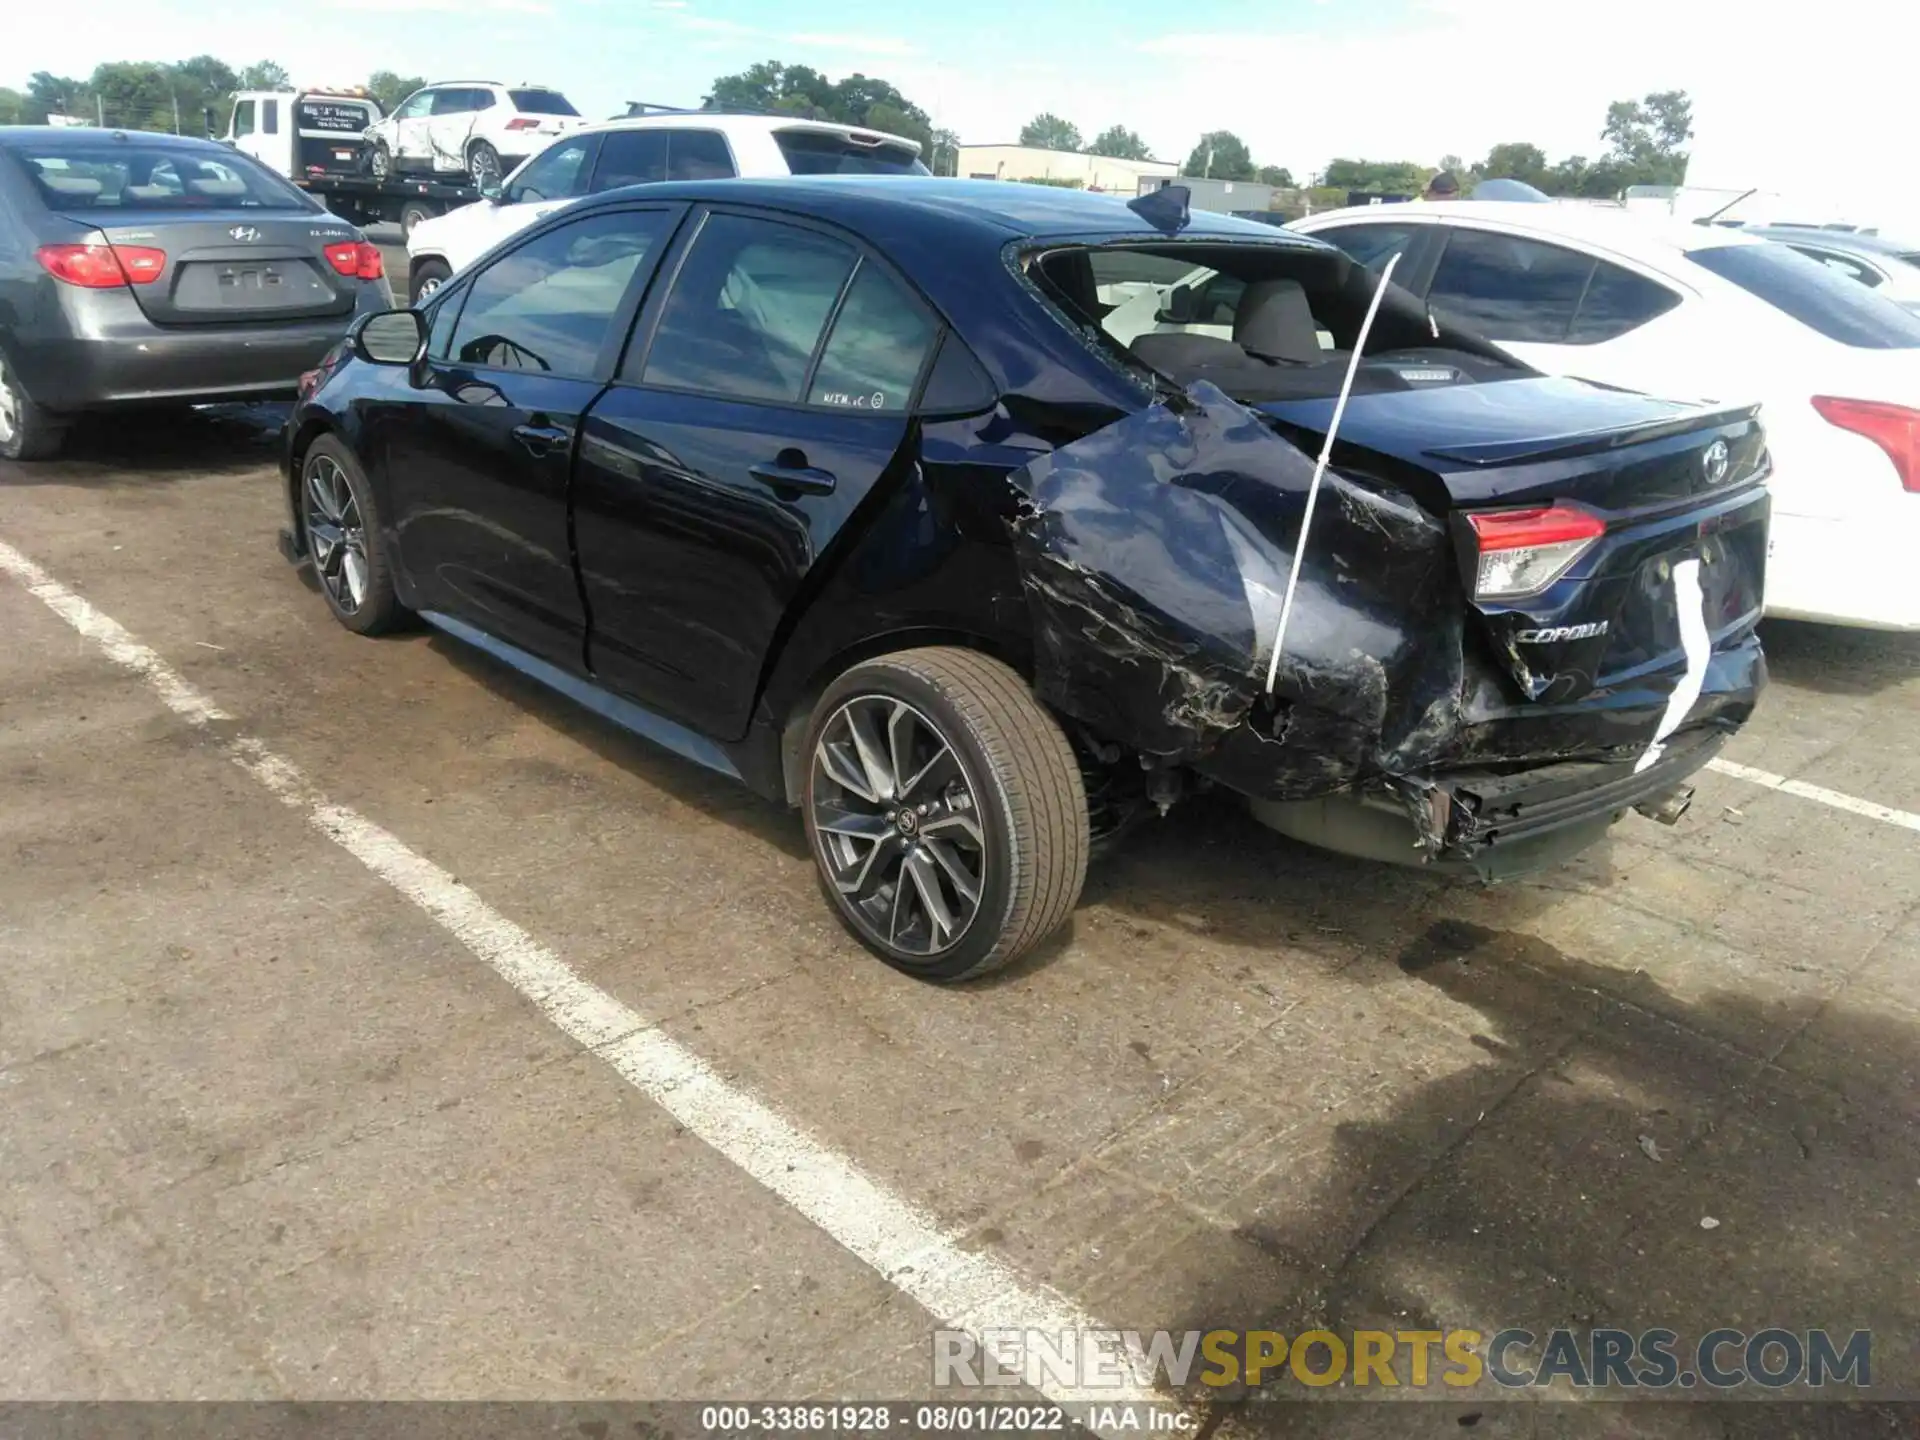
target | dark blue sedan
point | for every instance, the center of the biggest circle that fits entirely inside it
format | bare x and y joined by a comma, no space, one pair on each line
963,517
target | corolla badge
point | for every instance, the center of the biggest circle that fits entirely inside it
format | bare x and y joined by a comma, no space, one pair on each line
247,232
1715,461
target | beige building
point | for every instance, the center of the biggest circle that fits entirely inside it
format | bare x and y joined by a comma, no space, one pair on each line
1026,162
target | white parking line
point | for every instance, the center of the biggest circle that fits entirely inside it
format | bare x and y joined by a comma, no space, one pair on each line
1905,819
963,1289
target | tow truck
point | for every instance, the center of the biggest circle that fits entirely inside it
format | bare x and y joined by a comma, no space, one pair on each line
314,138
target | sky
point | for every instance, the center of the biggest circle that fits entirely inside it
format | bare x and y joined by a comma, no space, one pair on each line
1825,87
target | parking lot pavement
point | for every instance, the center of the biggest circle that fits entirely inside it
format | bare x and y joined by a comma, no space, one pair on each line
268,1104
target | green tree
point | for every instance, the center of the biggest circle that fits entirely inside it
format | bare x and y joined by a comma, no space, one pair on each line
1048,131
1647,136
771,88
943,158
1277,176
1386,177
133,95
13,107
49,94
390,89
265,75
1120,143
1516,160
1220,155
204,84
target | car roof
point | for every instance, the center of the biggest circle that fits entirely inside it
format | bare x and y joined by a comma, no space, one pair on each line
53,136
1006,209
737,123
1651,239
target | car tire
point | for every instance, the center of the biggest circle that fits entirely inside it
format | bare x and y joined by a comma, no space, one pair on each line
344,539
27,432
413,213
424,277
378,160
930,774
483,163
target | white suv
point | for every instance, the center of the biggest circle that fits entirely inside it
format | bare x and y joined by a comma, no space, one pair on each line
478,128
687,145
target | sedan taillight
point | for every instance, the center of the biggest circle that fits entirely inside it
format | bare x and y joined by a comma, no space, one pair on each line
522,123
102,267
1894,428
1522,552
356,258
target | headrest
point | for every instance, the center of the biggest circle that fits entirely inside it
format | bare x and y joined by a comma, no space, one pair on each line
72,187
1274,321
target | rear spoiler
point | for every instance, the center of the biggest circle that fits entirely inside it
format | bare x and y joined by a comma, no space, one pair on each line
1592,442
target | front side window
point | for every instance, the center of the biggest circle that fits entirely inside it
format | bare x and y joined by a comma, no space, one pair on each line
550,304
1509,289
416,105
631,157
243,118
880,341
747,309
558,173
1807,291
699,155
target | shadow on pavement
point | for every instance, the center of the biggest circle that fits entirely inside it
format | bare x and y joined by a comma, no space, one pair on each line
1834,660
141,447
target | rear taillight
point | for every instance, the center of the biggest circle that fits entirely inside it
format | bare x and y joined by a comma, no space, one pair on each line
309,382
1522,552
102,267
356,258
1894,428
523,124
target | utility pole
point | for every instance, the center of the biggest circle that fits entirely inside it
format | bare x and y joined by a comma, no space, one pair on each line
176,109
1207,173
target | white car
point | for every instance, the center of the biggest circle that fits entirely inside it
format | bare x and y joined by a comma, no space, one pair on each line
689,145
477,128
1702,312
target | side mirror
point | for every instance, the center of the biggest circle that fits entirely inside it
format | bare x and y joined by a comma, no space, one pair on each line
493,191
392,337
211,135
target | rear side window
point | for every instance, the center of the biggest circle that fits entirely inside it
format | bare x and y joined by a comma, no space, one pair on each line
270,117
1824,300
631,157
879,343
1509,289
747,310
1371,245
123,176
541,102
698,155
549,305
1617,302
825,152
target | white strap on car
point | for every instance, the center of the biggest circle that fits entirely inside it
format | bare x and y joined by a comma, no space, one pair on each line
1320,469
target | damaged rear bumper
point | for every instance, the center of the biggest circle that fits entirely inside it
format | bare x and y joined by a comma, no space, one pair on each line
1494,825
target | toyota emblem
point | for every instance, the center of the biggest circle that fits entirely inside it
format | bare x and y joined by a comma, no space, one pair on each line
1715,461
247,232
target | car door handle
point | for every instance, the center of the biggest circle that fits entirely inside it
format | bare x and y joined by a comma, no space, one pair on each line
803,478
540,440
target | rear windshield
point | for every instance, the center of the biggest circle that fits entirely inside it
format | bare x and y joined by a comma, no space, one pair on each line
541,102
1263,322
821,152
1816,295
116,175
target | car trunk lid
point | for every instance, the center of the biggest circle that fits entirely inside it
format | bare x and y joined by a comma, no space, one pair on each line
238,266
1591,553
